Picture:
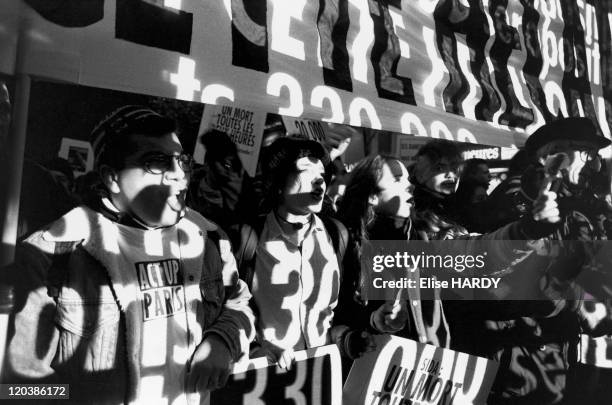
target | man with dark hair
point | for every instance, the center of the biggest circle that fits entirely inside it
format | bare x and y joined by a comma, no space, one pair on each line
585,218
477,171
504,204
472,192
136,298
536,341
217,186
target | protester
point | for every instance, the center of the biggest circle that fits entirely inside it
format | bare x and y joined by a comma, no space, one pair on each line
472,190
469,200
62,172
477,171
377,204
44,197
536,341
293,261
435,176
88,188
505,203
216,187
585,218
134,299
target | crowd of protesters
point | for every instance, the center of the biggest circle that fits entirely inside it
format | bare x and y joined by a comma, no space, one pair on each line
159,254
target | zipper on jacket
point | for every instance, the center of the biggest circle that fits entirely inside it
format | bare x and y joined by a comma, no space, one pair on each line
304,335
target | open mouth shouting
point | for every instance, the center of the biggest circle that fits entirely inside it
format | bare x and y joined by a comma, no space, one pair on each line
176,200
317,194
448,185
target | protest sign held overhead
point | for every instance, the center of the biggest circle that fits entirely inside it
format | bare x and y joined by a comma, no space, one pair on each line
243,126
315,130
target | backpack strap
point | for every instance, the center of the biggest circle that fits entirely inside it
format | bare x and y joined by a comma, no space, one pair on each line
215,237
338,234
245,254
340,239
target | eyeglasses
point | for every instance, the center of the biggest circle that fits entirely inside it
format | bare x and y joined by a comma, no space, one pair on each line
588,155
160,163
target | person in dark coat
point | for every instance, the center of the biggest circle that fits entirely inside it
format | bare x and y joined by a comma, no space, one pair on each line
536,341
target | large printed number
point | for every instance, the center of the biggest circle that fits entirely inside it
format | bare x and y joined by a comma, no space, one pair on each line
262,393
261,381
294,391
312,129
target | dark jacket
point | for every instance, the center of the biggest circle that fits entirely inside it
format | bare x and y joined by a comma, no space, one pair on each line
535,341
427,322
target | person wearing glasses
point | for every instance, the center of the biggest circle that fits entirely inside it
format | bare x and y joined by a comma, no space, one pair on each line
537,349
585,218
135,298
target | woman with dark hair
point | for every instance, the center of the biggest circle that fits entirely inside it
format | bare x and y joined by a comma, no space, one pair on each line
435,176
355,208
291,258
377,204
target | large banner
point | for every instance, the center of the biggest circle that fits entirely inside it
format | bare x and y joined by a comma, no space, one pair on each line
487,71
403,371
314,379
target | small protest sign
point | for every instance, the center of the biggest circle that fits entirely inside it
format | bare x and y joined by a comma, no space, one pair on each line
78,154
313,129
243,126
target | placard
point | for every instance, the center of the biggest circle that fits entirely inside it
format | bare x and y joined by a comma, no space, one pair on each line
314,379
315,130
403,371
78,154
243,126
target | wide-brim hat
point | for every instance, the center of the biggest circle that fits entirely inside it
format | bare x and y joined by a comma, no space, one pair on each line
578,129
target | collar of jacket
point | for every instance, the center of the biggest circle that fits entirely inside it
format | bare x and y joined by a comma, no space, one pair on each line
425,198
316,225
105,207
390,228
